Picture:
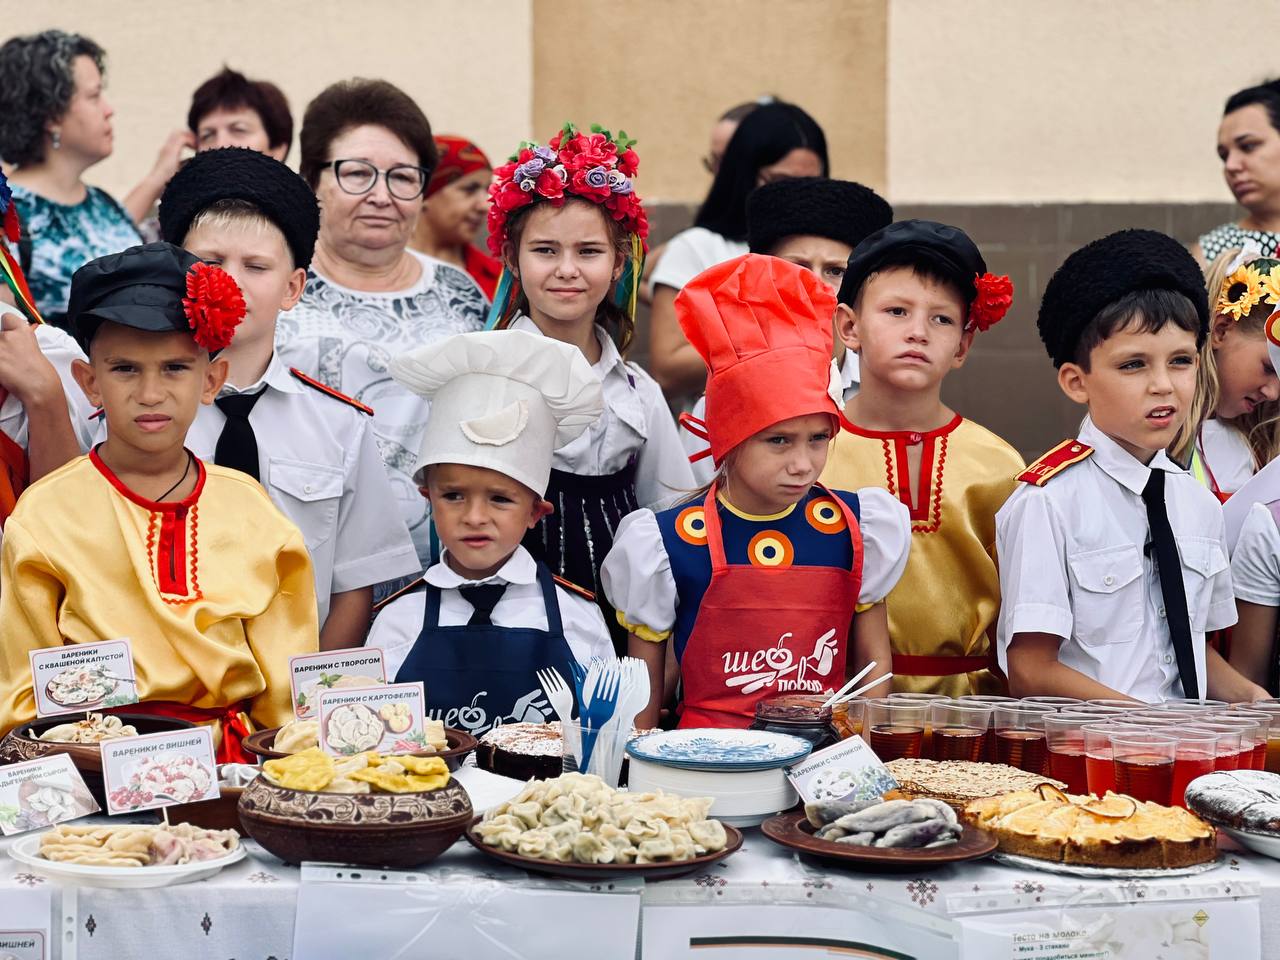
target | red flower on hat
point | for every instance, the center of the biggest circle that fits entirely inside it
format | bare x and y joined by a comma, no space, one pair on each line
214,306
995,296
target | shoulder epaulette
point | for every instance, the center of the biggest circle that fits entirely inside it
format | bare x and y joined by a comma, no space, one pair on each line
1065,454
402,592
326,389
574,588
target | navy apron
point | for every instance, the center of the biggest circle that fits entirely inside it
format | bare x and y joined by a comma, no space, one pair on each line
479,677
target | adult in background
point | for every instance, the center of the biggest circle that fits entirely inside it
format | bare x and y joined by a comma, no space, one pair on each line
230,110
774,141
457,202
367,152
1249,148
55,123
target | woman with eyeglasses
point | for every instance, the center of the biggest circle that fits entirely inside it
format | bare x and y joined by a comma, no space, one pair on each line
368,153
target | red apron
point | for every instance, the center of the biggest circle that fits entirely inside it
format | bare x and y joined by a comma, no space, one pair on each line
230,724
761,631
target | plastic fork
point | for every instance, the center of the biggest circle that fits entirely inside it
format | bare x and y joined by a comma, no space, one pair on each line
603,703
558,693
579,673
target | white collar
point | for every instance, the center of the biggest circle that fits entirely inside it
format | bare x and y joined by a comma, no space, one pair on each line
610,359
519,568
1118,463
850,370
277,376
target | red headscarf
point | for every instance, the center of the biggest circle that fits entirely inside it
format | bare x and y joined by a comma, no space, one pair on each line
458,157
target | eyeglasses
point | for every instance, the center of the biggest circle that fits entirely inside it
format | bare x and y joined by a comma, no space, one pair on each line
404,181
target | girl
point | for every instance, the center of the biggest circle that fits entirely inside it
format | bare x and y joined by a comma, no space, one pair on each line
760,577
570,230
1234,427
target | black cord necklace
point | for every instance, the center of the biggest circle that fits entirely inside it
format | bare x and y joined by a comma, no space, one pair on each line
190,457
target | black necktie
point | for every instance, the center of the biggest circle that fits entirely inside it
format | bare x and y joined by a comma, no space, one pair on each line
1169,567
237,446
483,599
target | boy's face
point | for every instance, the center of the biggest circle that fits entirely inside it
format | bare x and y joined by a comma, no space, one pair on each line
824,258
908,332
256,255
150,385
481,515
1138,387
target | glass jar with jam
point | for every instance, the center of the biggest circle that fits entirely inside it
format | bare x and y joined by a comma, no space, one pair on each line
800,715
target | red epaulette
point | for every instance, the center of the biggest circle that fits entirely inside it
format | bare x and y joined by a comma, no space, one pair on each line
1055,461
326,389
403,591
98,414
574,588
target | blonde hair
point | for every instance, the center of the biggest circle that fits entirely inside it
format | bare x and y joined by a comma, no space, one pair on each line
1260,427
234,213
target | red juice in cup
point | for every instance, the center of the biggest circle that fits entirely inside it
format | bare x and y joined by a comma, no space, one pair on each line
1145,777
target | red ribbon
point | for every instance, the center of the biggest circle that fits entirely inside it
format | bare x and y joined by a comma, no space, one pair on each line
232,721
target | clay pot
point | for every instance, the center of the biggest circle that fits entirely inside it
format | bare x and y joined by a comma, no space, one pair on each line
460,743
220,813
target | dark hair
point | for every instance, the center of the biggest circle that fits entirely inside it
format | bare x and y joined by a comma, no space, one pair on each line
928,267
1147,311
231,90
736,113
765,135
1266,94
37,81
609,315
358,102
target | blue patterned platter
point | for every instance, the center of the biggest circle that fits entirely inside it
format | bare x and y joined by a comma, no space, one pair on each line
720,750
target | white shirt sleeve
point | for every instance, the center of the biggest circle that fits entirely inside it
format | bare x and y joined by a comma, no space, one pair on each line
662,466
885,524
1255,566
1035,593
637,577
395,630
584,627
684,258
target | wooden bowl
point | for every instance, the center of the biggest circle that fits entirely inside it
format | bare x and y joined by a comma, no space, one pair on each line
460,743
363,829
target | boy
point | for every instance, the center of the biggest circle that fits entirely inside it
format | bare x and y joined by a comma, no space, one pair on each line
140,539
490,615
311,447
1113,559
913,297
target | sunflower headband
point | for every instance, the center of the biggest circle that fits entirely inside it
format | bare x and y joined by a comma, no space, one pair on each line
1250,284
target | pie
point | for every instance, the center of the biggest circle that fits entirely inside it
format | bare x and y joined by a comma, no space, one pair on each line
1247,800
956,782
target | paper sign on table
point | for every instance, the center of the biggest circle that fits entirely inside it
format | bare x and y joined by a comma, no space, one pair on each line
159,770
23,945
388,719
79,677
41,792
847,770
311,674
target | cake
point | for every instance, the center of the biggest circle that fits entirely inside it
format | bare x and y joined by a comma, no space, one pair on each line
523,751
1246,800
1114,831
956,782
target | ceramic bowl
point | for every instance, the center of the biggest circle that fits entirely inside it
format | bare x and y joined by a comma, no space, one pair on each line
460,743
741,799
363,829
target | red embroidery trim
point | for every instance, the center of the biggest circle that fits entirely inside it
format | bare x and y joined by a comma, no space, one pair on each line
937,492
927,517
888,467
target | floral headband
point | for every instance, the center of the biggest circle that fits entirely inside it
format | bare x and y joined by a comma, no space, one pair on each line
1247,285
214,306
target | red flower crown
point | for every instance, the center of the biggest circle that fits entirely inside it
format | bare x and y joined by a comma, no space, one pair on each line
995,297
593,166
214,306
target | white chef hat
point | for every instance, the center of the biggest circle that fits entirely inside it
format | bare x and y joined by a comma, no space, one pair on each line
501,399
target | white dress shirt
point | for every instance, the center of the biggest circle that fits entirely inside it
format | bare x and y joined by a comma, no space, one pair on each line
60,350
397,626
1226,454
1073,564
1255,562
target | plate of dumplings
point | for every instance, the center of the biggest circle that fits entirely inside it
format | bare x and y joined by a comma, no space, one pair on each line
578,827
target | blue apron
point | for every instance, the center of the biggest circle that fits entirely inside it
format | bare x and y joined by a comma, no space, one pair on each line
479,677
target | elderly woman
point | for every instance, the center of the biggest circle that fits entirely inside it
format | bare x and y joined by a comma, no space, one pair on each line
457,202
230,110
55,123
368,153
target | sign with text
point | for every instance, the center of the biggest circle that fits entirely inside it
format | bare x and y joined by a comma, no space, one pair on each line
847,770
312,674
23,945
159,770
388,719
39,793
80,677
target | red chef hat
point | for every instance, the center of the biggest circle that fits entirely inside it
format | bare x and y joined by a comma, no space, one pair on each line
763,327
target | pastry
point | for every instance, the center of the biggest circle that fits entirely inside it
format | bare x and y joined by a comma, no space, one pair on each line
94,728
313,771
901,824
958,781
1247,800
136,846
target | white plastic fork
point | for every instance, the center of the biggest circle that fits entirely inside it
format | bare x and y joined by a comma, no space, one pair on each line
558,693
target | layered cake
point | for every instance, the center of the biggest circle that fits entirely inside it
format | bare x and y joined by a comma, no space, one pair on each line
523,751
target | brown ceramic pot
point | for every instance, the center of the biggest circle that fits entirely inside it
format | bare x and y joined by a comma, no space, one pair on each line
220,813
460,743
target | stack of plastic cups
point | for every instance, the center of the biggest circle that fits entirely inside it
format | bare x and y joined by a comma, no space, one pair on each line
989,744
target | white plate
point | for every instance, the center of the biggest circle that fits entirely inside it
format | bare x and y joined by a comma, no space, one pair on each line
1265,844
720,750
1103,873
26,851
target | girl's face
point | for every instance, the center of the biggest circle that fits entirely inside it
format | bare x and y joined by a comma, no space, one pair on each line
775,468
1249,148
1246,377
566,262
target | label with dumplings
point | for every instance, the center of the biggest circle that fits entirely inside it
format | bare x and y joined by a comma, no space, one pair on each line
388,719
312,674
22,945
159,770
83,676
847,770
39,793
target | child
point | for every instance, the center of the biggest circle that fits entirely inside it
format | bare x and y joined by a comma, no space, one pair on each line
1113,559
491,615
1234,427
141,539
765,581
913,298
814,223
311,447
570,229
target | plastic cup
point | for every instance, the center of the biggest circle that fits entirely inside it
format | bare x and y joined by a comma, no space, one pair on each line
1094,708
1064,737
1196,755
1144,764
895,728
1229,743
926,749
608,750
1253,737
1020,737
1122,704
1192,704
991,700
1099,769
959,729
1058,703
1272,708
1158,718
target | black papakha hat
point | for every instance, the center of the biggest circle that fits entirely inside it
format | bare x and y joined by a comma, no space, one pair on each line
238,173
839,210
1101,272
141,287
947,249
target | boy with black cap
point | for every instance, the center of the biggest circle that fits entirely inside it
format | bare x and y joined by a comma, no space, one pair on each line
1113,559
913,297
311,447
141,539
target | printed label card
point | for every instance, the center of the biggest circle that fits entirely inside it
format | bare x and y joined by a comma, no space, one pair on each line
312,674
388,719
80,677
39,793
23,945
159,770
847,770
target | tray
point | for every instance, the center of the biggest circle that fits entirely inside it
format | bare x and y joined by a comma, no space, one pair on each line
793,830
25,850
460,743
1103,873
